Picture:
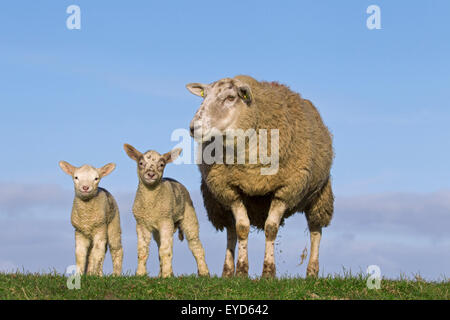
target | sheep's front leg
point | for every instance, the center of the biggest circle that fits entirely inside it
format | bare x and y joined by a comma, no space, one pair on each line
144,237
166,229
242,230
82,245
98,251
276,211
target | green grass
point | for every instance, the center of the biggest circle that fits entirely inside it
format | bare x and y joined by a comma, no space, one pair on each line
53,286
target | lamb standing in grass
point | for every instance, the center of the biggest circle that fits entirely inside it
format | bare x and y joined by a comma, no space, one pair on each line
95,217
161,206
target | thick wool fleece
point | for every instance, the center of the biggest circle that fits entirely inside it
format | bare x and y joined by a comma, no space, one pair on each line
305,158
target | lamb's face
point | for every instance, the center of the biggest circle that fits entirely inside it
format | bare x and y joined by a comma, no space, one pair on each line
86,178
224,100
151,164
151,167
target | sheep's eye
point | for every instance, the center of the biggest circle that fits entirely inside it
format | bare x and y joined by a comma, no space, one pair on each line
141,163
161,164
231,98
76,178
96,179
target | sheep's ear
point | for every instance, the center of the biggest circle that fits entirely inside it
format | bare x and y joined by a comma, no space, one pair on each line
67,167
132,152
245,93
197,88
106,169
172,155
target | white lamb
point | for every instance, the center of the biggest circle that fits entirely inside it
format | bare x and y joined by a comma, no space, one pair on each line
95,217
163,205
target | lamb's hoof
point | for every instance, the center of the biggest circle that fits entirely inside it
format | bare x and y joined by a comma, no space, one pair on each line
166,275
269,270
242,269
141,272
313,270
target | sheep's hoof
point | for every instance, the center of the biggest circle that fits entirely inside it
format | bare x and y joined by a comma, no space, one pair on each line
203,274
313,270
242,269
227,272
269,270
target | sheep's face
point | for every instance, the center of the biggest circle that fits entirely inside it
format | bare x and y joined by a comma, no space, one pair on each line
86,178
150,165
224,100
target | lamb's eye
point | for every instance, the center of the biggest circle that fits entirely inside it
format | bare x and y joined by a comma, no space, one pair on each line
76,178
96,179
161,164
141,163
231,98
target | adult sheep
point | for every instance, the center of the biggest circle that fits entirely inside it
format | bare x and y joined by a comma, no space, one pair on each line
239,195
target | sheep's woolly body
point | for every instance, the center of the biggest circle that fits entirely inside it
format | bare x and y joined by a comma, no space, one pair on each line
97,225
305,157
159,211
237,195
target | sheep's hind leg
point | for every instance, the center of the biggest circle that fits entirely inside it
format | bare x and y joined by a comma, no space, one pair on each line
318,215
190,228
228,266
242,230
277,209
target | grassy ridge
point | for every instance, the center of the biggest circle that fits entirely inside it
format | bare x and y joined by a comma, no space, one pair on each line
54,286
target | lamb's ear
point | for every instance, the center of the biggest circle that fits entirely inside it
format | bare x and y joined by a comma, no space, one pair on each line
67,167
245,93
106,169
171,156
197,88
132,152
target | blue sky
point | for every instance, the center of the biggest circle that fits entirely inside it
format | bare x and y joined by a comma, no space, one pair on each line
78,95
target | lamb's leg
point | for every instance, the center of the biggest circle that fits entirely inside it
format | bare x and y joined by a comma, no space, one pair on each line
166,229
82,245
228,266
144,237
242,230
115,244
190,228
98,251
155,235
276,211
